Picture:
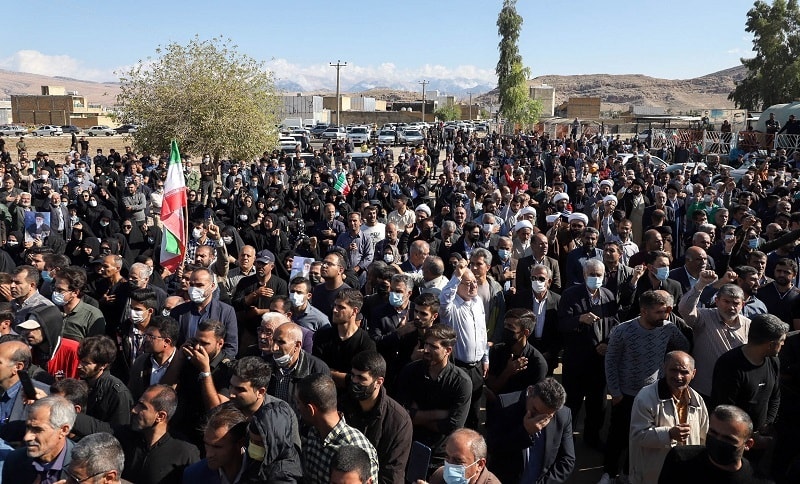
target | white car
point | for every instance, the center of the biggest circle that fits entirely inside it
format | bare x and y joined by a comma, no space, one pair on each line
47,130
12,130
411,137
287,143
358,135
101,130
387,137
335,134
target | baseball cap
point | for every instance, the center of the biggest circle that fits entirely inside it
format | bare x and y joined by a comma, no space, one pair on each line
265,257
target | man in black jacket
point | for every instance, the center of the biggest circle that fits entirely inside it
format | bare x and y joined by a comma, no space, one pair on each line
290,363
544,438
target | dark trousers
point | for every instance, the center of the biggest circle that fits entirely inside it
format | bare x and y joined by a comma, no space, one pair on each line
476,419
586,381
618,431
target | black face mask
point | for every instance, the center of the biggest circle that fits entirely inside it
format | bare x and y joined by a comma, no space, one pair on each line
360,392
509,337
721,452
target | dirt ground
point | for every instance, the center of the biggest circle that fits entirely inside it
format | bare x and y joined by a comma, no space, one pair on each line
58,146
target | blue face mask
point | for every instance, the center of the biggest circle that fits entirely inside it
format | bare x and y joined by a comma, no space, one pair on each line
752,243
57,298
503,253
46,276
456,473
594,282
396,299
662,273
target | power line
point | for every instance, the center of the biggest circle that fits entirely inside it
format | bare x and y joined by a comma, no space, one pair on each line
339,64
424,83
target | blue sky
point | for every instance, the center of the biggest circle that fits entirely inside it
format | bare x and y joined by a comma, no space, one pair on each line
397,40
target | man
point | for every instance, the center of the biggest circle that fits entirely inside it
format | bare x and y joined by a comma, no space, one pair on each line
213,258
371,228
435,391
328,228
15,356
324,295
368,408
359,248
489,290
202,306
290,363
134,203
463,310
336,344
687,275
465,460
111,290
747,280
59,356
303,312
747,376
81,320
151,454
397,315
417,253
652,241
96,458
577,258
665,413
780,295
253,295
636,349
350,465
225,440
275,420
532,441
730,434
109,398
327,430
539,248
514,363
655,277
47,452
586,315
158,350
199,236
139,277
401,216
142,304
245,266
24,281
710,339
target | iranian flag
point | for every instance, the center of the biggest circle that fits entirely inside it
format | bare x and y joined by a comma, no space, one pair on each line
173,242
341,185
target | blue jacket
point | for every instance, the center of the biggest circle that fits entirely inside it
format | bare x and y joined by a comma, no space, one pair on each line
217,310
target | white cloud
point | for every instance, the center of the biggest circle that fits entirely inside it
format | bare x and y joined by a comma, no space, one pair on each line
323,76
734,51
35,62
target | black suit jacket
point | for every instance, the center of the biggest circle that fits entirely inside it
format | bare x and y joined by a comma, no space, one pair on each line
549,345
679,274
523,279
19,467
672,287
508,438
581,340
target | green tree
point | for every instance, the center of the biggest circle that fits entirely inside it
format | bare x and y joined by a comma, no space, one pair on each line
206,95
773,75
448,112
516,105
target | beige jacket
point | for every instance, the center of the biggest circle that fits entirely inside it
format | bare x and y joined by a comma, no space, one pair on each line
652,416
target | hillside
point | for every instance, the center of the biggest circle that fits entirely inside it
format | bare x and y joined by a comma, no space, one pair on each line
616,91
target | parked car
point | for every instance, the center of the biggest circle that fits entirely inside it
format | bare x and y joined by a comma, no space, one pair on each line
70,128
47,130
334,134
12,130
358,135
127,128
411,137
387,137
317,130
287,144
100,130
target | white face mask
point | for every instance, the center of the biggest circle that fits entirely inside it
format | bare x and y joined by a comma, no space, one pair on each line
92,203
538,286
197,233
196,295
227,240
297,299
137,316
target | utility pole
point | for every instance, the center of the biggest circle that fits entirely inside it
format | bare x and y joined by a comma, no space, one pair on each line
339,64
424,83
470,106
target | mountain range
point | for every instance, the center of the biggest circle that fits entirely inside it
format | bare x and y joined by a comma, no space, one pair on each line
615,91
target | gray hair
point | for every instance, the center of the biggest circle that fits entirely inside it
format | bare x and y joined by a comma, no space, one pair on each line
731,290
732,413
418,245
138,267
488,215
434,264
477,444
405,279
543,267
482,253
677,355
62,411
99,452
449,225
594,264
765,328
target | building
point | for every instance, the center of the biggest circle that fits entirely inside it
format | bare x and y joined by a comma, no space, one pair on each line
311,109
56,105
547,96
5,112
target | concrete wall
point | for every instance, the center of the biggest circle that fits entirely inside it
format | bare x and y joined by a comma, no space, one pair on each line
583,107
381,117
547,96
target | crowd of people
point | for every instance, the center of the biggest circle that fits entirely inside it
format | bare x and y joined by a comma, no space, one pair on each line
401,317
